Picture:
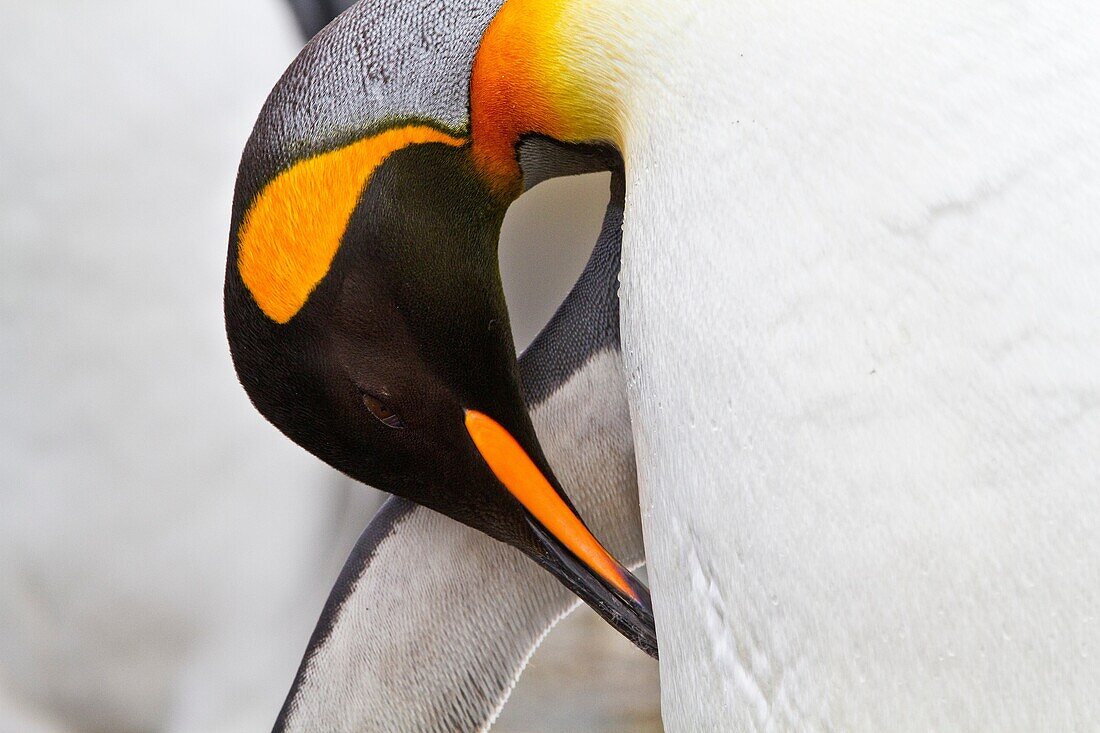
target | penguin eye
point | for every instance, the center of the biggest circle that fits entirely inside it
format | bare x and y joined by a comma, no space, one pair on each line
383,414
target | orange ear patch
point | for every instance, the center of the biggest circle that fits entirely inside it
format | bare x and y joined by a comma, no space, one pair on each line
290,234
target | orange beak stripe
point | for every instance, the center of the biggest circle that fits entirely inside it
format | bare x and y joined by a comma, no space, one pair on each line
515,469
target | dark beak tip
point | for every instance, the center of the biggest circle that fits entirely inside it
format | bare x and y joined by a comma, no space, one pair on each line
638,627
631,617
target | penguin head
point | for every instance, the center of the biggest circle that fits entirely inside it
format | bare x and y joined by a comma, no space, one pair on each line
371,328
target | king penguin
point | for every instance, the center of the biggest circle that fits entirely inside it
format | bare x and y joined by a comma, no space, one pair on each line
856,312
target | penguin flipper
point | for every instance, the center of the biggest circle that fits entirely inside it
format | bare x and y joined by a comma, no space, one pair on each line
422,630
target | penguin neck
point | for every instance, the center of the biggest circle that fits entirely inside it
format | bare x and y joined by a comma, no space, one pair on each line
556,68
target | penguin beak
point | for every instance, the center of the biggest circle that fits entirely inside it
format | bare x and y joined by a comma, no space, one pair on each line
572,553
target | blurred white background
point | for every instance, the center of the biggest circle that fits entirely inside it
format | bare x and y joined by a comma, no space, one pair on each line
164,553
